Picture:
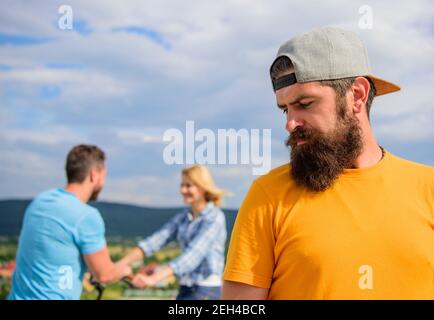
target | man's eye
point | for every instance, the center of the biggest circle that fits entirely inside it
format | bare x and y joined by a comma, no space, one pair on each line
285,111
305,105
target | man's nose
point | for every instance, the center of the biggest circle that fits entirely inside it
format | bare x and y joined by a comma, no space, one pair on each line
292,123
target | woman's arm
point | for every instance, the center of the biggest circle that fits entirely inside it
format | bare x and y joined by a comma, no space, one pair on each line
153,243
162,237
134,255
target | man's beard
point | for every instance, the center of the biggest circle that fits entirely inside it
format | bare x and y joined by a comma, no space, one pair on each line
317,163
95,194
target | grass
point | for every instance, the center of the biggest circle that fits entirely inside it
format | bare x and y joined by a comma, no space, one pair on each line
7,251
115,291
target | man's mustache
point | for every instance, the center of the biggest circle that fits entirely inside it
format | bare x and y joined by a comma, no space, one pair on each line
297,135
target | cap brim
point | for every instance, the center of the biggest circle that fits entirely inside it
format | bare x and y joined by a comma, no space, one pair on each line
382,86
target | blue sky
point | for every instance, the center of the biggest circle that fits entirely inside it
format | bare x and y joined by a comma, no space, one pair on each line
129,70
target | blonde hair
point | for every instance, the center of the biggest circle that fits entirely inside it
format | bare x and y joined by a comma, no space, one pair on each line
201,176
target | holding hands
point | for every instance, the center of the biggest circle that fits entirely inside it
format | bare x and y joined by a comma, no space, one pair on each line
151,275
147,276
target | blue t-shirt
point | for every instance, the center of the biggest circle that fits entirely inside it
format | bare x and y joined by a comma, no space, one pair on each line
57,230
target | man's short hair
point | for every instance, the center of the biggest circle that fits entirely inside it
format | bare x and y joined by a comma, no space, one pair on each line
80,160
340,86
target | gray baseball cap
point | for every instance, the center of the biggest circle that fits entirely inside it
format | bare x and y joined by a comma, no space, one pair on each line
327,54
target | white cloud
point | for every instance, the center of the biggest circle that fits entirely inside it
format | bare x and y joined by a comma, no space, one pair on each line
408,128
28,164
143,190
51,136
140,136
74,83
215,72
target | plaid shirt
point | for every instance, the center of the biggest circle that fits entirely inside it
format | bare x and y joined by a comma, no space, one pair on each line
202,242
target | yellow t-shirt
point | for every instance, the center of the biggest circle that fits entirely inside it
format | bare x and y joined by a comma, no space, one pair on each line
369,236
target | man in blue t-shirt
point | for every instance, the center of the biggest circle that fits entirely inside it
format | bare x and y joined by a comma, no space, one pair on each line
62,236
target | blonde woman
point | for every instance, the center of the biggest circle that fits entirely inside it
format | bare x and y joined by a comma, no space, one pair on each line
201,233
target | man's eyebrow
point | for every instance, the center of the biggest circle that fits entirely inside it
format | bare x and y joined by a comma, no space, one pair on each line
297,100
301,97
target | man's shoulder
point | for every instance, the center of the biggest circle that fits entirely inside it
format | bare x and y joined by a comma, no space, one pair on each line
43,201
277,183
88,211
413,168
47,194
278,176
63,203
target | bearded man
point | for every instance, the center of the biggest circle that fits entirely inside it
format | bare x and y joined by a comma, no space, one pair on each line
345,219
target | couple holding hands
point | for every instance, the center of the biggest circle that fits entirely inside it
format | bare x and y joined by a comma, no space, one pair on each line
62,237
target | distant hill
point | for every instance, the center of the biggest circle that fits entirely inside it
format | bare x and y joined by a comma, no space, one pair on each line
121,220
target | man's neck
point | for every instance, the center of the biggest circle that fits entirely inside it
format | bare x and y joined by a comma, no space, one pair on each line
371,154
79,191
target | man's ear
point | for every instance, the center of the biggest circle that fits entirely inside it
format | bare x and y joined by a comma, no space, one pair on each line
92,174
360,90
